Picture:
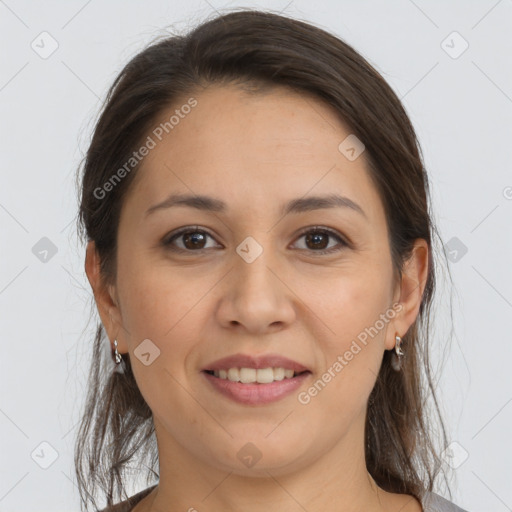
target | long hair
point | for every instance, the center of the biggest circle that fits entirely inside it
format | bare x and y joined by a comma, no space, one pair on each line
260,49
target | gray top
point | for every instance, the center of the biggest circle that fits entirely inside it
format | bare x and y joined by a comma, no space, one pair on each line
431,503
435,503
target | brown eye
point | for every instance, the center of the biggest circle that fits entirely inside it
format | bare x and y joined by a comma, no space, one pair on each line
191,239
194,240
317,240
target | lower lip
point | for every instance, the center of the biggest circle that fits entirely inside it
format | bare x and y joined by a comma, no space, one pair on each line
256,394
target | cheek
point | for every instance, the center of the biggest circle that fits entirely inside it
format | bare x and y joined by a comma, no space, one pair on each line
159,306
355,310
156,299
347,301
361,305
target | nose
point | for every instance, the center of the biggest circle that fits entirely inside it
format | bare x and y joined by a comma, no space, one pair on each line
256,298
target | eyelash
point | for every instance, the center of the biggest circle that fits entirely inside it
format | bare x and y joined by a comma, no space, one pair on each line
167,242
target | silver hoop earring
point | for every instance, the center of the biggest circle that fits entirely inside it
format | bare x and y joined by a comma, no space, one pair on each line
397,356
117,355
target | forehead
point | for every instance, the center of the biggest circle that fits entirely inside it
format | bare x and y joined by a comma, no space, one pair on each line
251,149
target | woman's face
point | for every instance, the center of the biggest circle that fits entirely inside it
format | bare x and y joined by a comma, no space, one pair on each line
253,281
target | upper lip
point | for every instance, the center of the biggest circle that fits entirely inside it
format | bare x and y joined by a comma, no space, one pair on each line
257,362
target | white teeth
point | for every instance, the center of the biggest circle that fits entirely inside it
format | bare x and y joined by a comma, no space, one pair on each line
279,373
251,375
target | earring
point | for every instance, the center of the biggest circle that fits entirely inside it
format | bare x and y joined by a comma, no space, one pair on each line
118,356
397,356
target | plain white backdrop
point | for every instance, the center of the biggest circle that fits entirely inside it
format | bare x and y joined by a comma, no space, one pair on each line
450,64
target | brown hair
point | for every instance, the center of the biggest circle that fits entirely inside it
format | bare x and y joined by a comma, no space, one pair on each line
262,49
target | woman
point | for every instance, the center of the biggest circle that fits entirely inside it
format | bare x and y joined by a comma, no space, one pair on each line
260,250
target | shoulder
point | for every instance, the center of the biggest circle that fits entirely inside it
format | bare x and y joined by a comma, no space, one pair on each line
127,505
432,502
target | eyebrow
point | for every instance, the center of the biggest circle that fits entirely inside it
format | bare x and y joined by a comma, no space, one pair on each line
300,205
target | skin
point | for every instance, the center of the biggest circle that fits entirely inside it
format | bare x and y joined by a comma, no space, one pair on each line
205,304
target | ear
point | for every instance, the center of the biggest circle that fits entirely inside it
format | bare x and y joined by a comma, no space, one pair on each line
409,291
104,296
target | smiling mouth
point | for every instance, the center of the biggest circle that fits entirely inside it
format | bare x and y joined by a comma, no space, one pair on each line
256,387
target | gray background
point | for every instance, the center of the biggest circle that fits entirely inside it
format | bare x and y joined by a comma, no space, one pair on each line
460,104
